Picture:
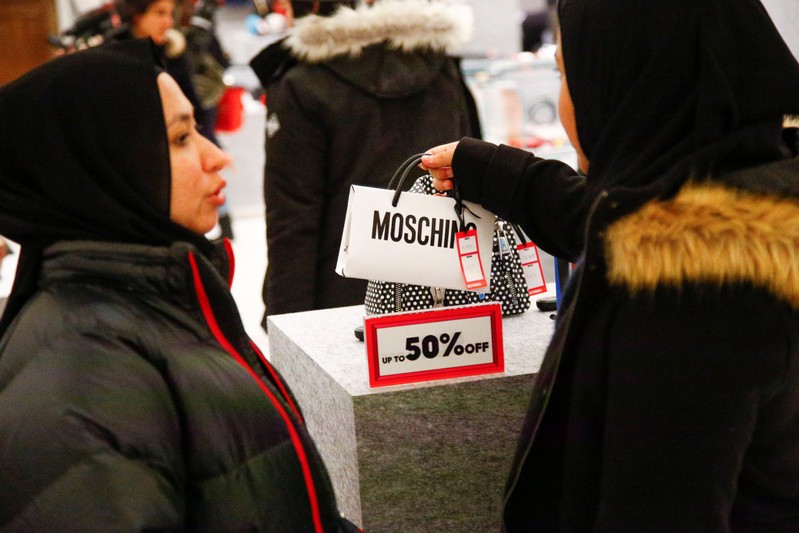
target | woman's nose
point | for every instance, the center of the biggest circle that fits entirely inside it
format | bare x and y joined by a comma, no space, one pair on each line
214,158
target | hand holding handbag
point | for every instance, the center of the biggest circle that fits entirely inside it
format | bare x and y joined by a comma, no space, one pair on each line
508,285
411,238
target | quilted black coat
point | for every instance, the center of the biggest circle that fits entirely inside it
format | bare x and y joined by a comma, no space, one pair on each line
131,399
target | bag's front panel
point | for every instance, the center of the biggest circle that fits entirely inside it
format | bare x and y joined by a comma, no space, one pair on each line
508,285
399,244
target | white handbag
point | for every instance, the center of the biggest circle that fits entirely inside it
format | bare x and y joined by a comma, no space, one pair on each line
410,238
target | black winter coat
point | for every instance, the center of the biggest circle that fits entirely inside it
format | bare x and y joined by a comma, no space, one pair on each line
668,399
348,111
131,399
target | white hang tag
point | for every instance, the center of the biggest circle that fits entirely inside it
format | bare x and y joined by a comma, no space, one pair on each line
469,255
531,267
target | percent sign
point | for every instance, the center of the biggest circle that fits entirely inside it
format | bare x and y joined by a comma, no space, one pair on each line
450,343
430,347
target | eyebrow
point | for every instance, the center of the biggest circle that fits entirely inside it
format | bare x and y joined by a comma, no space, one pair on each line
181,117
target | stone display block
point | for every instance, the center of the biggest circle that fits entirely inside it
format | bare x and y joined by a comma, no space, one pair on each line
420,457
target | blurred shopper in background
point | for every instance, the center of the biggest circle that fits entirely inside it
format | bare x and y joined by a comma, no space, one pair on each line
539,24
131,398
350,95
195,59
668,400
156,19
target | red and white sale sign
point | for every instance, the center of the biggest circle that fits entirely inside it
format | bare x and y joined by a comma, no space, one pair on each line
435,344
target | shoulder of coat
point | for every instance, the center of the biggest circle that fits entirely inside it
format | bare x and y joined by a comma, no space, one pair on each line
708,234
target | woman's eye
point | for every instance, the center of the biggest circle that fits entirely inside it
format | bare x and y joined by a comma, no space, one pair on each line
182,139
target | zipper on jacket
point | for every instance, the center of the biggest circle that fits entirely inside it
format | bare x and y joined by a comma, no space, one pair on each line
294,435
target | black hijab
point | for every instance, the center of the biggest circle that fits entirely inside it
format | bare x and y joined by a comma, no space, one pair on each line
84,156
664,90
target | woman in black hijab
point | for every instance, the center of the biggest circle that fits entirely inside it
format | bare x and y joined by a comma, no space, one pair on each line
130,395
668,399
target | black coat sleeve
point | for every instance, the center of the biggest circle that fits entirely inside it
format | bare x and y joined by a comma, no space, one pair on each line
546,197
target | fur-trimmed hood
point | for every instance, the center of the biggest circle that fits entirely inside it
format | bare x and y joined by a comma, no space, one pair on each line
395,49
708,234
407,25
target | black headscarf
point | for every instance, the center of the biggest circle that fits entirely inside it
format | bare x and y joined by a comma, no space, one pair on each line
668,89
84,155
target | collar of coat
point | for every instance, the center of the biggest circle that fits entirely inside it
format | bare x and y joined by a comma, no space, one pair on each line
708,234
407,25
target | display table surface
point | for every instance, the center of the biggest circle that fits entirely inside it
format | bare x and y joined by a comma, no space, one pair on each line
419,457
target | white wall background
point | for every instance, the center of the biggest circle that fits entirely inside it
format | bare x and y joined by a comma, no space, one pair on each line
785,14
497,28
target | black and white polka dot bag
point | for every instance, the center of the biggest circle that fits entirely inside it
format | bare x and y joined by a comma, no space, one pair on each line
508,285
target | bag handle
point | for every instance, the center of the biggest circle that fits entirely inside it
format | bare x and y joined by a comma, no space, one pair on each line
523,238
408,162
403,171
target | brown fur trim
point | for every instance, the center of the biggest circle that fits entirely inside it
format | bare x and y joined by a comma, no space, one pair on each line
708,234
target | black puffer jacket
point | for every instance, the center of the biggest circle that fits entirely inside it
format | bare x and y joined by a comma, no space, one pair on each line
349,98
131,399
668,399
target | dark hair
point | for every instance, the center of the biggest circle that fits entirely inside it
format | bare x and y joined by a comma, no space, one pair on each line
130,8
322,8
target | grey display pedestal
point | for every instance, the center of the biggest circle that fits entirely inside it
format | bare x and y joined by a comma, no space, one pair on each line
409,458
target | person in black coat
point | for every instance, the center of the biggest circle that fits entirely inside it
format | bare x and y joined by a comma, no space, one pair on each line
349,97
131,398
668,399
156,19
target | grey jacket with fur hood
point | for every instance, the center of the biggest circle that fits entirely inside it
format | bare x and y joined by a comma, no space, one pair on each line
349,97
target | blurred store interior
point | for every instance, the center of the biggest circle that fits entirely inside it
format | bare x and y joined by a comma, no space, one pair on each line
516,92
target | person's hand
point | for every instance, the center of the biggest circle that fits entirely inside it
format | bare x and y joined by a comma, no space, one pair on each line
439,164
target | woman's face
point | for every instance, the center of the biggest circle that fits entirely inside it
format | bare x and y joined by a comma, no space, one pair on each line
566,111
156,21
195,163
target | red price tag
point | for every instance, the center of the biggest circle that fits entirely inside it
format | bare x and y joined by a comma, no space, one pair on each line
469,255
532,269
